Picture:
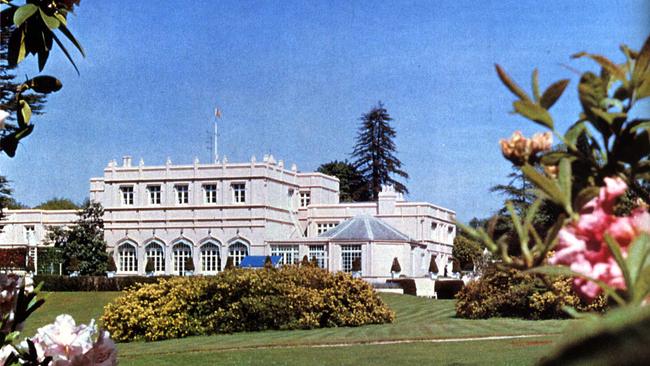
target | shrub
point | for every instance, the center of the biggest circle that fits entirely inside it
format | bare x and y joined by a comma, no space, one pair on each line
150,267
455,265
407,284
73,265
268,263
111,267
356,265
433,267
512,293
13,258
189,264
91,283
395,267
291,297
447,289
229,264
305,261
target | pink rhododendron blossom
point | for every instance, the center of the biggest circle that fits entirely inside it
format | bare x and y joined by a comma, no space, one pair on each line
70,344
582,243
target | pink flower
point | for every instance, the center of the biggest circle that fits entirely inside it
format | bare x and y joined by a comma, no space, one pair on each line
582,243
71,344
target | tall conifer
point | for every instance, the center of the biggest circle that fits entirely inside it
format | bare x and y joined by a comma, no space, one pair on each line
374,152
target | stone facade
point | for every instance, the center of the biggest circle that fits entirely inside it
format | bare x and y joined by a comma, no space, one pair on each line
210,211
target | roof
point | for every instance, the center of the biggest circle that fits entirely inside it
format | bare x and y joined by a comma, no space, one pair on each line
365,227
257,261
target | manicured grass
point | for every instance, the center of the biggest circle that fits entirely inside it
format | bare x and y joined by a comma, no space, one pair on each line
417,319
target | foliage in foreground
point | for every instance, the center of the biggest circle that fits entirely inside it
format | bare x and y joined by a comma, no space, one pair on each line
513,293
244,300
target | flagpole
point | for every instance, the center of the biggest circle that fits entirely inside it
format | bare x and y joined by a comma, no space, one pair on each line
215,139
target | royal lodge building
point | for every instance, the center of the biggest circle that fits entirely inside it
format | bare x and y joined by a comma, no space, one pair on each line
209,212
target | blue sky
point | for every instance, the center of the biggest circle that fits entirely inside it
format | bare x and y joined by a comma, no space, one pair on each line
293,77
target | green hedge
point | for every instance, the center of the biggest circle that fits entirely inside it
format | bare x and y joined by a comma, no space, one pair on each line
407,284
92,283
447,289
243,300
512,293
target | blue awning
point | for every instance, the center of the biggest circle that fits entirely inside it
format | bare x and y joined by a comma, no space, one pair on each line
257,261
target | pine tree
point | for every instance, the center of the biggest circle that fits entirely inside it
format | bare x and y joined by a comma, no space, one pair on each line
375,152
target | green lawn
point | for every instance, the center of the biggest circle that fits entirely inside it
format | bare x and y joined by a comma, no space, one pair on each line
417,319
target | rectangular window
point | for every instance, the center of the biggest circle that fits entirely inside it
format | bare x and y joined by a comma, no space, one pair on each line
322,227
305,199
348,254
127,195
238,192
210,193
289,253
182,193
154,195
318,252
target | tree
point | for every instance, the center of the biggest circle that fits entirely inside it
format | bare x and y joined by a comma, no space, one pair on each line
84,240
433,267
375,152
58,204
353,186
466,250
229,264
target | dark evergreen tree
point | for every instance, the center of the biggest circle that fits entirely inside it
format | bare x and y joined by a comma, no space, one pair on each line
353,186
374,152
84,241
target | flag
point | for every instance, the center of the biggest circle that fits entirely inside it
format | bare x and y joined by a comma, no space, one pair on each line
217,113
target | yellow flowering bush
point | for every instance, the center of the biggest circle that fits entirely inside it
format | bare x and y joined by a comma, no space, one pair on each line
244,300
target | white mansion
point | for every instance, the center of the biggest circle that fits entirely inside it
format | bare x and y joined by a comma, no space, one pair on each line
210,211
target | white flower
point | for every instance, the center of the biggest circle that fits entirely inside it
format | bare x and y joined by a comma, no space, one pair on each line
5,352
3,117
63,340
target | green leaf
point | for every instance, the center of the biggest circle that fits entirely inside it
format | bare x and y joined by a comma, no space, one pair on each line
641,72
44,84
23,13
536,85
545,184
564,179
606,64
571,136
17,49
615,248
553,157
638,256
65,51
639,124
511,85
25,114
642,286
51,22
584,196
553,93
66,32
533,112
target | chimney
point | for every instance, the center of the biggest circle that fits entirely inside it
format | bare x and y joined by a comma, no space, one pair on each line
386,200
126,161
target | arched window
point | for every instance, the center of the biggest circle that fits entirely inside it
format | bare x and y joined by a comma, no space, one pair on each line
237,250
156,252
210,258
180,252
127,258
